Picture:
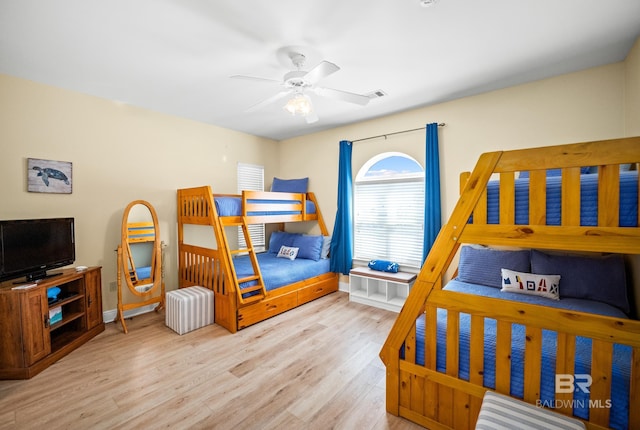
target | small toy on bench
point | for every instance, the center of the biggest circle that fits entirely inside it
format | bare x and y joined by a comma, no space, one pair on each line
384,266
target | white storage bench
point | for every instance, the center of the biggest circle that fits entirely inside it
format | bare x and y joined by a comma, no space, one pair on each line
381,289
189,309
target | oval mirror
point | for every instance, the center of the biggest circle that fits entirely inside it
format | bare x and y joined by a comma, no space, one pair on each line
141,248
140,258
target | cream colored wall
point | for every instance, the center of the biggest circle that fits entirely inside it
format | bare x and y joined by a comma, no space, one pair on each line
119,154
632,91
582,106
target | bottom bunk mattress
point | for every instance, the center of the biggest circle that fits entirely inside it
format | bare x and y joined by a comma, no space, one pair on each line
278,272
621,354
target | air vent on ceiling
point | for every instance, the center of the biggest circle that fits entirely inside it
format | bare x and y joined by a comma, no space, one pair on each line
376,94
427,3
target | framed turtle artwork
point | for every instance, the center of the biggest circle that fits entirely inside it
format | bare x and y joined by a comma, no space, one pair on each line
48,176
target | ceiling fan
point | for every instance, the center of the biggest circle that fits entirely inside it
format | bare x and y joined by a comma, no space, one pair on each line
299,83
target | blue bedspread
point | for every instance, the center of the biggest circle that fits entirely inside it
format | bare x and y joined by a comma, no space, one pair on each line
622,354
588,200
278,272
232,206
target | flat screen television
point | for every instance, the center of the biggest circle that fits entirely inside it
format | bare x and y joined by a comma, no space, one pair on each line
31,247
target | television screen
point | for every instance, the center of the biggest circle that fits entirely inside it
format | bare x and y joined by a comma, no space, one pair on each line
31,247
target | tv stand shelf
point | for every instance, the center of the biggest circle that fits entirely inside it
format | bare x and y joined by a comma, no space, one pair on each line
29,341
67,319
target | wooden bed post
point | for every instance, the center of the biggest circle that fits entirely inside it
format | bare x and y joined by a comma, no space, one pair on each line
321,224
393,385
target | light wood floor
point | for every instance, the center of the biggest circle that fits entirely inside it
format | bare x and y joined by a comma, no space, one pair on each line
314,367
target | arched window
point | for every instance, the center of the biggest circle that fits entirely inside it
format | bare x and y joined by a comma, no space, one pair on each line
389,209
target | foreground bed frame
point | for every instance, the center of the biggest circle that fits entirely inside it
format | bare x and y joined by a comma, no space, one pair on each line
442,400
212,267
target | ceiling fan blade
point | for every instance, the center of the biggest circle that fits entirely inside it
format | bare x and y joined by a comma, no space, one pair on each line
321,71
311,117
342,95
256,79
268,101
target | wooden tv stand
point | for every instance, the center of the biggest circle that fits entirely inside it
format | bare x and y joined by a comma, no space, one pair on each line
29,341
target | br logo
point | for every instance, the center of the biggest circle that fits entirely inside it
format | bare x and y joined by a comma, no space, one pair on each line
566,383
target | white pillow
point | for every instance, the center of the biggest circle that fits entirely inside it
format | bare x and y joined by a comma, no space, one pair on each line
531,283
288,252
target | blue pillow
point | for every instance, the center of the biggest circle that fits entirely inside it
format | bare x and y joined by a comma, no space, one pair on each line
484,265
290,185
550,172
228,206
554,172
384,266
602,279
279,239
310,247
625,167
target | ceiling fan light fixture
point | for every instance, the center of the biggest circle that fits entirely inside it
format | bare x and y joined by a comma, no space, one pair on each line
299,104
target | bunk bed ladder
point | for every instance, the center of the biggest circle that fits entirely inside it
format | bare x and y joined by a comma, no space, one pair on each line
139,232
257,291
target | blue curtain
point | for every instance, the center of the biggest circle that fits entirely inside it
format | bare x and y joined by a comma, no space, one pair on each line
342,239
432,211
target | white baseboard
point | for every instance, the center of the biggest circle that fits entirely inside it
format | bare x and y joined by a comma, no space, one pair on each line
110,315
343,286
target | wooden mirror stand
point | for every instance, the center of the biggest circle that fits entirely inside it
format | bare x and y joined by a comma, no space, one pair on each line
139,260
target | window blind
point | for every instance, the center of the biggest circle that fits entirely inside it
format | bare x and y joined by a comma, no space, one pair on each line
389,217
251,177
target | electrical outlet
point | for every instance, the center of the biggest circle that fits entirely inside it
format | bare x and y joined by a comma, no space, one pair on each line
113,286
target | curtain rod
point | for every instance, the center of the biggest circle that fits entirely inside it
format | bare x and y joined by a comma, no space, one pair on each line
442,124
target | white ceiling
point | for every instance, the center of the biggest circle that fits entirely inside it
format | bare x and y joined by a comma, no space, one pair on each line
177,56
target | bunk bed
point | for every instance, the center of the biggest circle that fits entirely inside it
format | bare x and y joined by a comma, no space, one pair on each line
457,338
251,286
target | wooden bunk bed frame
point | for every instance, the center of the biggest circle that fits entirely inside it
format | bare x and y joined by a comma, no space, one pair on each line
438,400
213,268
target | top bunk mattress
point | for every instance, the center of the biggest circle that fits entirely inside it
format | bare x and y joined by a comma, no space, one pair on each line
588,200
232,206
